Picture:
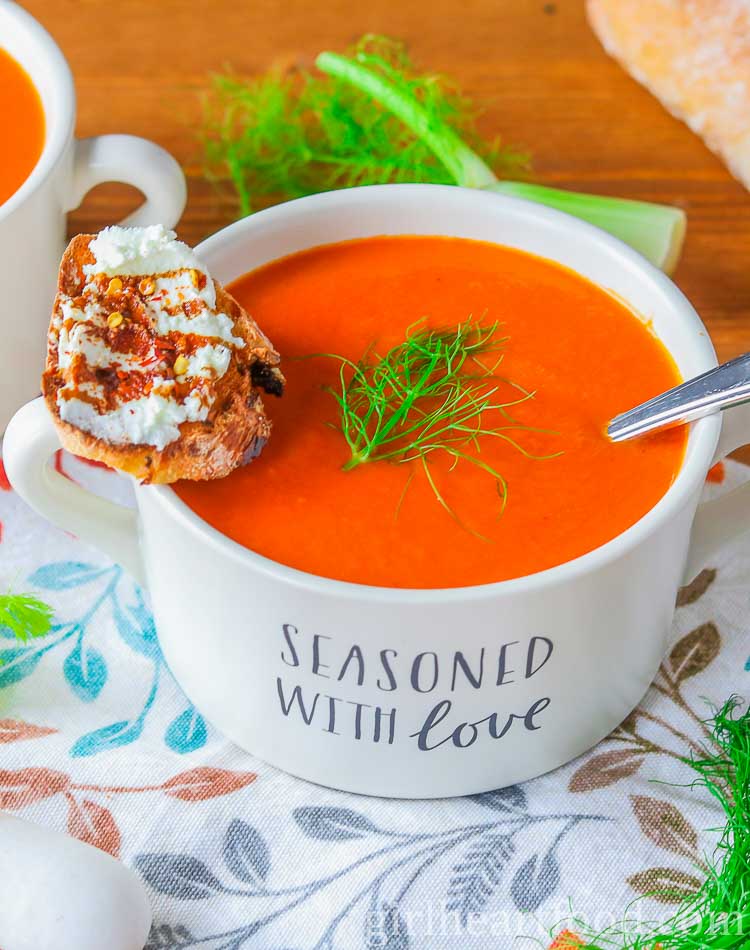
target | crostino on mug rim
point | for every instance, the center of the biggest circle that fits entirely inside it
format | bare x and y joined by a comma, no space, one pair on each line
702,443
20,34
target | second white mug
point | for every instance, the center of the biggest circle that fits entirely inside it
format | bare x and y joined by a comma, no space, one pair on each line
32,221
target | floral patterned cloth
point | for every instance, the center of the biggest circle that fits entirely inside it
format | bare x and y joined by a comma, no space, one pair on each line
96,738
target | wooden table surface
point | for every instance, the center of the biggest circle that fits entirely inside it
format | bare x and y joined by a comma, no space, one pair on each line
546,85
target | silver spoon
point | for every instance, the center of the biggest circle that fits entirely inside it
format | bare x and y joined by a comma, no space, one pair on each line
720,388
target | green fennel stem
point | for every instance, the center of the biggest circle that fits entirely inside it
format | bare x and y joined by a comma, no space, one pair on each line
657,231
287,134
654,230
463,163
370,118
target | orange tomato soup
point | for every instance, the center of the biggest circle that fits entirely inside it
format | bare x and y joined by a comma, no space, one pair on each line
583,353
22,123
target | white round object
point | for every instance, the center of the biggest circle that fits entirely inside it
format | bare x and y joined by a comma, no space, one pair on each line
61,893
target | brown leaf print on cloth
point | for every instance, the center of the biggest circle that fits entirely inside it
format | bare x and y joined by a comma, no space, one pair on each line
27,786
605,769
694,652
666,885
94,824
665,825
196,785
696,588
90,821
14,730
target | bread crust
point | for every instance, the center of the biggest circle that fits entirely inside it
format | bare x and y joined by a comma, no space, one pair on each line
694,56
236,428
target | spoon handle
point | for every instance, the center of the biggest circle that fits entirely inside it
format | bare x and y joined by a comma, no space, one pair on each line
724,386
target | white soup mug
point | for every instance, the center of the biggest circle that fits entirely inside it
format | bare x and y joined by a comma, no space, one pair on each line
415,693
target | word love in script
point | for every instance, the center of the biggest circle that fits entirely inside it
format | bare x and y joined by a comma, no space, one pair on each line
454,676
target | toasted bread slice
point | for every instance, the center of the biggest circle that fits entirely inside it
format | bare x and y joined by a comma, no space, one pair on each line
110,363
694,56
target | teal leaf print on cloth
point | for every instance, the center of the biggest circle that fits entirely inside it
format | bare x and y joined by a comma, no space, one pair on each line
62,575
135,624
187,732
86,671
108,737
17,663
109,592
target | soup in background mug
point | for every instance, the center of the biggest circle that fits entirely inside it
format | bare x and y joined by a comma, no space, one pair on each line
23,125
49,179
414,692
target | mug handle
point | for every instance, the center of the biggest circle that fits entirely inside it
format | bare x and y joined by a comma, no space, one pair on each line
727,517
30,441
134,161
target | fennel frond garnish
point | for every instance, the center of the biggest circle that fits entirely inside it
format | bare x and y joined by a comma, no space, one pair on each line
717,916
281,136
369,118
430,393
25,615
